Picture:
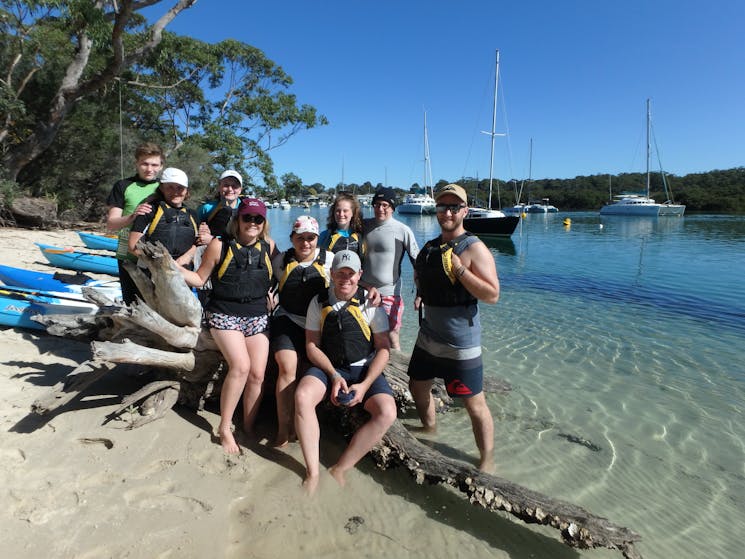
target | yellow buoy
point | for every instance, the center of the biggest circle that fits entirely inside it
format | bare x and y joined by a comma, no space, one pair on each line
567,222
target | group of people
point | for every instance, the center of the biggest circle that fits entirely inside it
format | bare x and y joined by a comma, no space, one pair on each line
328,308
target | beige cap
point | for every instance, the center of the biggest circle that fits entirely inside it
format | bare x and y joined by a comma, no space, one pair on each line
454,189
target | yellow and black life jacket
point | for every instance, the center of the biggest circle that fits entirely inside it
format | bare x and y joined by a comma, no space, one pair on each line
243,274
219,217
438,285
299,284
338,242
175,228
346,336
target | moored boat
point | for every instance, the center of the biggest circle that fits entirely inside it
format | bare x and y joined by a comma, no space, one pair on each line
488,222
640,204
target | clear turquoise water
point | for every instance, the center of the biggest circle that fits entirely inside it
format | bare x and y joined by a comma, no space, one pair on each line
632,337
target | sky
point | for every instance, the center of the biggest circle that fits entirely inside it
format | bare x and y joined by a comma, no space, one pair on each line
574,77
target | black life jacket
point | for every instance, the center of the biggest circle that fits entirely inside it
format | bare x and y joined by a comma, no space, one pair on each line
299,284
438,285
219,217
175,228
346,336
338,242
244,273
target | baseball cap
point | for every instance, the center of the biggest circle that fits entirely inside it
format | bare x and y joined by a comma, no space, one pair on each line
305,224
171,174
454,189
346,259
252,206
385,194
231,173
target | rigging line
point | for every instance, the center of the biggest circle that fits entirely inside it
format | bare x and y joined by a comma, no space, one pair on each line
479,117
503,98
121,134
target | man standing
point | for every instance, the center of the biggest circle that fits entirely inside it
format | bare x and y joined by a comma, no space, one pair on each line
453,273
387,240
126,201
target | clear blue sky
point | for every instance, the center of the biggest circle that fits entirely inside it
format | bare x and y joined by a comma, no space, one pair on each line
574,75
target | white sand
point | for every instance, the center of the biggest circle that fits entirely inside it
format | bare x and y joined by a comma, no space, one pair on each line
74,487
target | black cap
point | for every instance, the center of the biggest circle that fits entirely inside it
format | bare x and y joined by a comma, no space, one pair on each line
385,194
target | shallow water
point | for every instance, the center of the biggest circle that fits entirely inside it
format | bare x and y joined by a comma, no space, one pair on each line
627,335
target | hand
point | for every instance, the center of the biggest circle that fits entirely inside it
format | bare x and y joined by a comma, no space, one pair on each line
143,209
373,295
204,235
417,302
338,383
455,260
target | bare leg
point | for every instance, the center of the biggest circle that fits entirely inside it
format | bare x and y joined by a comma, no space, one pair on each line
287,362
233,349
257,347
393,336
382,410
483,430
309,393
421,390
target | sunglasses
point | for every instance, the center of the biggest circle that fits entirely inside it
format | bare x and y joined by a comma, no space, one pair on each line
248,218
452,208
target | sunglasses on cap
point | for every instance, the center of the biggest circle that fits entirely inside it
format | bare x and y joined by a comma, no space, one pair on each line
249,218
452,208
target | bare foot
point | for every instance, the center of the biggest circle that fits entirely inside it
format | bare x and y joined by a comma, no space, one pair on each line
310,484
228,441
338,475
487,465
283,439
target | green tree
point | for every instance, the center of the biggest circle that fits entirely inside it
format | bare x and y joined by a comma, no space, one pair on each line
72,69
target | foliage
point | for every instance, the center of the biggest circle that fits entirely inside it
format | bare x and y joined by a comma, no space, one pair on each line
72,70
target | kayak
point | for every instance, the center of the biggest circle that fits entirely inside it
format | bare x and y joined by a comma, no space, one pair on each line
84,261
60,282
18,305
98,242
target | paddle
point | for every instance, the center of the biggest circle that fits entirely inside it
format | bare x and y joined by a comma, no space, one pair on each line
22,292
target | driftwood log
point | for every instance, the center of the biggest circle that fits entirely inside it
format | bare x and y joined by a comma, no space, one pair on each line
163,332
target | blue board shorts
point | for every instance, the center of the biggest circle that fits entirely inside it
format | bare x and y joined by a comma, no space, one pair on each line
353,375
463,377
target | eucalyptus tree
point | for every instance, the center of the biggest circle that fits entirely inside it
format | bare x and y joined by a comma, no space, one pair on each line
100,63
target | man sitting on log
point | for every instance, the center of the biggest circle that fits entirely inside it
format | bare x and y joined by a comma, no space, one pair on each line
347,342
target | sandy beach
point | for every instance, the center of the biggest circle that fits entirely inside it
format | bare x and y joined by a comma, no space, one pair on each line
76,486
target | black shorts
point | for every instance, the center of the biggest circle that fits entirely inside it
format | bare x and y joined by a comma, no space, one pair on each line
285,334
463,377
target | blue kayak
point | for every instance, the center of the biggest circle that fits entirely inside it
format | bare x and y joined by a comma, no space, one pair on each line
18,305
98,242
84,261
59,282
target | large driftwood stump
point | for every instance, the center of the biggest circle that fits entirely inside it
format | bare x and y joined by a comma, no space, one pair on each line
163,332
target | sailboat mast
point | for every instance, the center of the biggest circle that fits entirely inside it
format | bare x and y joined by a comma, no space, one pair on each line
649,124
493,134
427,164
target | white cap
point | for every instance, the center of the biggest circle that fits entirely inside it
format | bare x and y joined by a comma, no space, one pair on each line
171,174
231,173
305,224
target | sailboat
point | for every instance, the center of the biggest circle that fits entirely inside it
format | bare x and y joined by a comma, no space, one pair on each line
642,204
487,222
421,203
519,208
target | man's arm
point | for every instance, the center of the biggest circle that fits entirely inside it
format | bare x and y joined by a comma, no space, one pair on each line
476,271
115,220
